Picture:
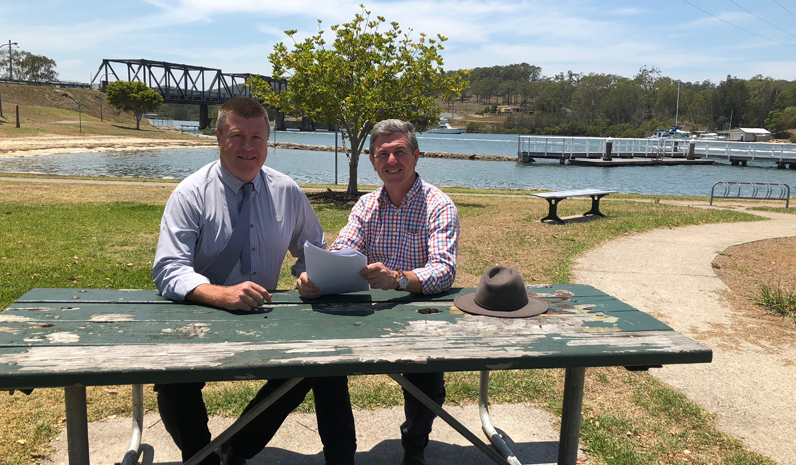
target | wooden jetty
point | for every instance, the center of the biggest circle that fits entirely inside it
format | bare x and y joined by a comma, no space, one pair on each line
589,150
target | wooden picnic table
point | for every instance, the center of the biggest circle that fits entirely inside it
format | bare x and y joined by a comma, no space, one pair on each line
72,338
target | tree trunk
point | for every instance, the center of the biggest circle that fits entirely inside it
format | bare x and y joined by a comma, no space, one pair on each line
353,165
138,122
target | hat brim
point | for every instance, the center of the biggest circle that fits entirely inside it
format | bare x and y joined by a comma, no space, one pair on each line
466,303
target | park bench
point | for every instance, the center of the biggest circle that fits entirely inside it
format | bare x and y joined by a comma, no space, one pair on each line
553,199
751,191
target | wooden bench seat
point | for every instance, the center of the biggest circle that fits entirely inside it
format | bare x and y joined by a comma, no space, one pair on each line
553,198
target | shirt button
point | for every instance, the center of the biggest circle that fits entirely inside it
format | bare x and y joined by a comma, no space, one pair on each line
254,248
254,273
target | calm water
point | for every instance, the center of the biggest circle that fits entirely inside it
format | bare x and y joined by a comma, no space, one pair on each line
319,167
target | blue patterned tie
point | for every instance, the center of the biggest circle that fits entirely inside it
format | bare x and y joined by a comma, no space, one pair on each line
237,247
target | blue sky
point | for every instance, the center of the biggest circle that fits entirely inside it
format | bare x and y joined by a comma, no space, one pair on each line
691,40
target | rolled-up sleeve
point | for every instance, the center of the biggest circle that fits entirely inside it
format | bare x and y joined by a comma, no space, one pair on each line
443,241
173,270
352,235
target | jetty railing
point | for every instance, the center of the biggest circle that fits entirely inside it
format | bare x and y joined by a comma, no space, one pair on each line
594,147
751,191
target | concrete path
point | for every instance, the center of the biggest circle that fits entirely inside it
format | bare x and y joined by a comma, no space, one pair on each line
528,431
667,273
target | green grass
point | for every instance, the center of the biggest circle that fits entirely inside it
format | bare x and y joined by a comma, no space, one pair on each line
111,245
777,300
792,211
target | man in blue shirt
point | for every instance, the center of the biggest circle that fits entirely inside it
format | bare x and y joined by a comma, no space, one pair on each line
198,223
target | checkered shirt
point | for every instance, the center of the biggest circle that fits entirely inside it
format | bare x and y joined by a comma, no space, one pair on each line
421,235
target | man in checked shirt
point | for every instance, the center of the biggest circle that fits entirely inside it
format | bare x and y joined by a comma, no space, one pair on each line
409,232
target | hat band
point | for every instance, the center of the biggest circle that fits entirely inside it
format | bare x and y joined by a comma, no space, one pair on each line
496,309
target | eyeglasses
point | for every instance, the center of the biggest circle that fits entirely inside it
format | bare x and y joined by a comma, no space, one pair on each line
397,154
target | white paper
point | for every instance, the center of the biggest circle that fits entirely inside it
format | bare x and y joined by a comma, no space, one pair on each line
335,272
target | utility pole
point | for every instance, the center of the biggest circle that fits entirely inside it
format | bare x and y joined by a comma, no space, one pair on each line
9,71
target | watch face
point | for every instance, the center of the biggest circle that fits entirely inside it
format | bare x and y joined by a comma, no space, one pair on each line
403,282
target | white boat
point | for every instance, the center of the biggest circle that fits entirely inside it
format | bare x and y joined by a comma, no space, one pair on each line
673,133
710,136
444,127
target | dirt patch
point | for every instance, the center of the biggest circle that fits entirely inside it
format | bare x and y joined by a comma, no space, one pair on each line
337,197
744,269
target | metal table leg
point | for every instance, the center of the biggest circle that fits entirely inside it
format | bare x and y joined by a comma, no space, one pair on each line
76,425
243,421
486,422
131,457
570,416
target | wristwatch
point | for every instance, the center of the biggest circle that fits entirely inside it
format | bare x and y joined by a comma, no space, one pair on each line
403,281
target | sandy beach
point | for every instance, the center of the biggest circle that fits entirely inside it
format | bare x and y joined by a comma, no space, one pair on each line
29,146
26,146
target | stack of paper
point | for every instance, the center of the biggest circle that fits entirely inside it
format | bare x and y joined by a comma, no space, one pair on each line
335,272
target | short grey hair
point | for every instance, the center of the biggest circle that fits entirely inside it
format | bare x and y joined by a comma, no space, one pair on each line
388,127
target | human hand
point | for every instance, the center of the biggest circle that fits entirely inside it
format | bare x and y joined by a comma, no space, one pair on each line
306,288
245,296
380,277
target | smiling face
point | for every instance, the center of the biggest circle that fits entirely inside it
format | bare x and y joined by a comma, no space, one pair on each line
395,163
243,143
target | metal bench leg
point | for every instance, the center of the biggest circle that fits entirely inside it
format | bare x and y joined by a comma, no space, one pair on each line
243,421
447,418
553,212
76,425
595,206
131,456
570,416
486,422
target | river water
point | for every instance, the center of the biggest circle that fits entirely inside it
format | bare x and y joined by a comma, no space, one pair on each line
319,167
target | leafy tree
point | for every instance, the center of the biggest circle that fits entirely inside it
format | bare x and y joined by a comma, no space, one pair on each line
26,66
366,76
135,97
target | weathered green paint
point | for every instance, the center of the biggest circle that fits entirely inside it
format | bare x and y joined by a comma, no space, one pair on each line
137,337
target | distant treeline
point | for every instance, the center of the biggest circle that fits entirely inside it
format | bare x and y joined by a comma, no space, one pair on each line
609,105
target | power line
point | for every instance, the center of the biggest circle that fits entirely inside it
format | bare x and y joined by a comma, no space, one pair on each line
775,1
736,26
761,19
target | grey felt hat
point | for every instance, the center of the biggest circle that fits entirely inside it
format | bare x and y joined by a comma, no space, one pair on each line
500,293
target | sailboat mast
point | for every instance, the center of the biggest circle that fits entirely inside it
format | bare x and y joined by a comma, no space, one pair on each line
677,113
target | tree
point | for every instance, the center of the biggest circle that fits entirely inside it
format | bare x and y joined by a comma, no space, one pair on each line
365,77
27,66
133,96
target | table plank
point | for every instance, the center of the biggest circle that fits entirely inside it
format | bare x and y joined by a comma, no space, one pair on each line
65,296
43,366
292,323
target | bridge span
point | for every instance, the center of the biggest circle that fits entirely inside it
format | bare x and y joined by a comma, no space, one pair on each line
188,84
736,153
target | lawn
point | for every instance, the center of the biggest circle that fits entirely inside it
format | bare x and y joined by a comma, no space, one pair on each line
104,236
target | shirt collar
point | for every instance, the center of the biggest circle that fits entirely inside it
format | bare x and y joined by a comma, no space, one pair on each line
384,198
236,184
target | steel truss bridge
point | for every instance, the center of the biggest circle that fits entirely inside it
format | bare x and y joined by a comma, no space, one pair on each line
183,84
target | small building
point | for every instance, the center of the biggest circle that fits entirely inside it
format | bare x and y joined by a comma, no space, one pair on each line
749,135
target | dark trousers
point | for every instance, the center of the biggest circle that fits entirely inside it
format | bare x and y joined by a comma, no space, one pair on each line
184,415
417,427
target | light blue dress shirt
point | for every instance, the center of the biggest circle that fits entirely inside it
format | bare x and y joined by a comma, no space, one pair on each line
198,221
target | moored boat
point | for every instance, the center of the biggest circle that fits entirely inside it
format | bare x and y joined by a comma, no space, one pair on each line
444,127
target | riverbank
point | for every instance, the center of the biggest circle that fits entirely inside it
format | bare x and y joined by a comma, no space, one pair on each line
30,146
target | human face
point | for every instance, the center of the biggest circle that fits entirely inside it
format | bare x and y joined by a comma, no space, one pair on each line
243,146
395,163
